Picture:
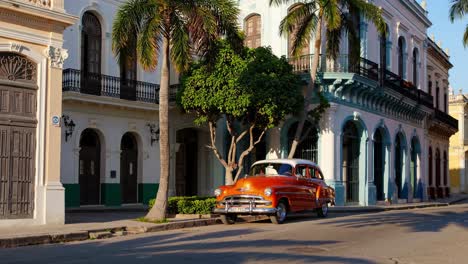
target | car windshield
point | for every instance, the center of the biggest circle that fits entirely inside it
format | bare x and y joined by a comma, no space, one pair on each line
267,169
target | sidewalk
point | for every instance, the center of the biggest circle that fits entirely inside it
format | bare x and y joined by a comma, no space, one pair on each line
98,224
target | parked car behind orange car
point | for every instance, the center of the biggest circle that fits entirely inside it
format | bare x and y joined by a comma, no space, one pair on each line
275,188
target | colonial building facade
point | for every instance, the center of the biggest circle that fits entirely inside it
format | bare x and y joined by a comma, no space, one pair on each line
386,133
31,60
110,149
458,155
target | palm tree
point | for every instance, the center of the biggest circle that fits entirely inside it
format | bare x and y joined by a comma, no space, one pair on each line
458,10
177,30
311,18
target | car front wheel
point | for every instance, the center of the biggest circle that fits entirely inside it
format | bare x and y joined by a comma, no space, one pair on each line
323,210
281,212
228,219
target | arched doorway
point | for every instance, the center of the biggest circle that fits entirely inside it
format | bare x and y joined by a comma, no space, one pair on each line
400,147
379,164
414,167
308,148
350,164
89,167
187,162
129,168
431,192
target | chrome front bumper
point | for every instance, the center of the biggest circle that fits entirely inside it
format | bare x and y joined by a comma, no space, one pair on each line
244,204
244,210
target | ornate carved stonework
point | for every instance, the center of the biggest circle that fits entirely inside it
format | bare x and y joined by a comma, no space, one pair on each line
41,3
14,67
57,56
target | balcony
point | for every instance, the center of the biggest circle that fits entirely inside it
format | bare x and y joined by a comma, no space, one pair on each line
109,86
365,68
446,118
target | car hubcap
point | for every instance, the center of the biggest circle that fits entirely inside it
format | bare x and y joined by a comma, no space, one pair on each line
324,208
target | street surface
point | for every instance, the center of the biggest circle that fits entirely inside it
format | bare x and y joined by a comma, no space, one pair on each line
433,235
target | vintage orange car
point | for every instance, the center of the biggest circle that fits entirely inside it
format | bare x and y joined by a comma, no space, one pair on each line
275,188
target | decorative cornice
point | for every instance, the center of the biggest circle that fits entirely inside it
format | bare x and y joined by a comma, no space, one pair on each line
56,55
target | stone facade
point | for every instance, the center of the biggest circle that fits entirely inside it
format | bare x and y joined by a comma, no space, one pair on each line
31,58
458,107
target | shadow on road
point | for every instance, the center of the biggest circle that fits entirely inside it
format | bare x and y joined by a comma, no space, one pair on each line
229,246
419,221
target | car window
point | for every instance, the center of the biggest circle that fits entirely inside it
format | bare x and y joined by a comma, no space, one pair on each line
318,174
270,169
301,171
312,172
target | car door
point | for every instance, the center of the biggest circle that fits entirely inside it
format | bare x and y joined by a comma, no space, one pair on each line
315,184
304,187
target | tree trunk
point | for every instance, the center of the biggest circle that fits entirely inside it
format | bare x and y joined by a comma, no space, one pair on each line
158,212
228,180
310,88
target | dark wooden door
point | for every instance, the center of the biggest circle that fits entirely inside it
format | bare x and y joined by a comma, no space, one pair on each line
89,168
129,169
17,147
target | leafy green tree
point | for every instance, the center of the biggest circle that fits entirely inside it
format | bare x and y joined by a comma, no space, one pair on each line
254,89
458,10
313,18
175,30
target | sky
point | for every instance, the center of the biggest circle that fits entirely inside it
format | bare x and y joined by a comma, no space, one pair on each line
451,36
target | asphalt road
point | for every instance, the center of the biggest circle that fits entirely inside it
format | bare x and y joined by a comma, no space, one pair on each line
434,235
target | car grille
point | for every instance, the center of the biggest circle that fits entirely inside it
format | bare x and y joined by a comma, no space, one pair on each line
244,200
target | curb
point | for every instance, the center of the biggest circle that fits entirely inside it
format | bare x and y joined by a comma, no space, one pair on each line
53,238
385,209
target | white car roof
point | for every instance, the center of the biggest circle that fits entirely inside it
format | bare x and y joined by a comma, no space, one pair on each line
292,162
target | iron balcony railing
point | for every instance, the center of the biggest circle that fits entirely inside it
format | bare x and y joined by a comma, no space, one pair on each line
446,118
110,86
369,69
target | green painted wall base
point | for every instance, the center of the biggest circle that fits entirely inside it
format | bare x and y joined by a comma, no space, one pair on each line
111,194
147,191
72,195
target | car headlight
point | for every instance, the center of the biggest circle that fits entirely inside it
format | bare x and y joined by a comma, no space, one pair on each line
217,192
268,191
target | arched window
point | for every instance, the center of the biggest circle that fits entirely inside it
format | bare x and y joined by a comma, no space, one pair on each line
437,94
253,31
401,57
384,56
415,66
91,44
91,36
429,84
308,148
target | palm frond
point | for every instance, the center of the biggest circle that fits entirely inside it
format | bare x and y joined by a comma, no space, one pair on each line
458,9
465,37
180,44
331,14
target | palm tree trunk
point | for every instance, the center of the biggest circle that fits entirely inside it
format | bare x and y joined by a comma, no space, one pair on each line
310,88
158,212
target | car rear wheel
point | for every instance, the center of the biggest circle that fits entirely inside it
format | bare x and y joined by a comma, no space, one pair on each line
281,212
228,219
323,210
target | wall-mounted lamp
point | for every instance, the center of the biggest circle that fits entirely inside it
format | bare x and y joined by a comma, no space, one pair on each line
154,131
69,126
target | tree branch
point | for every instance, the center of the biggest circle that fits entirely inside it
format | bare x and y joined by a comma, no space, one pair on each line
213,144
